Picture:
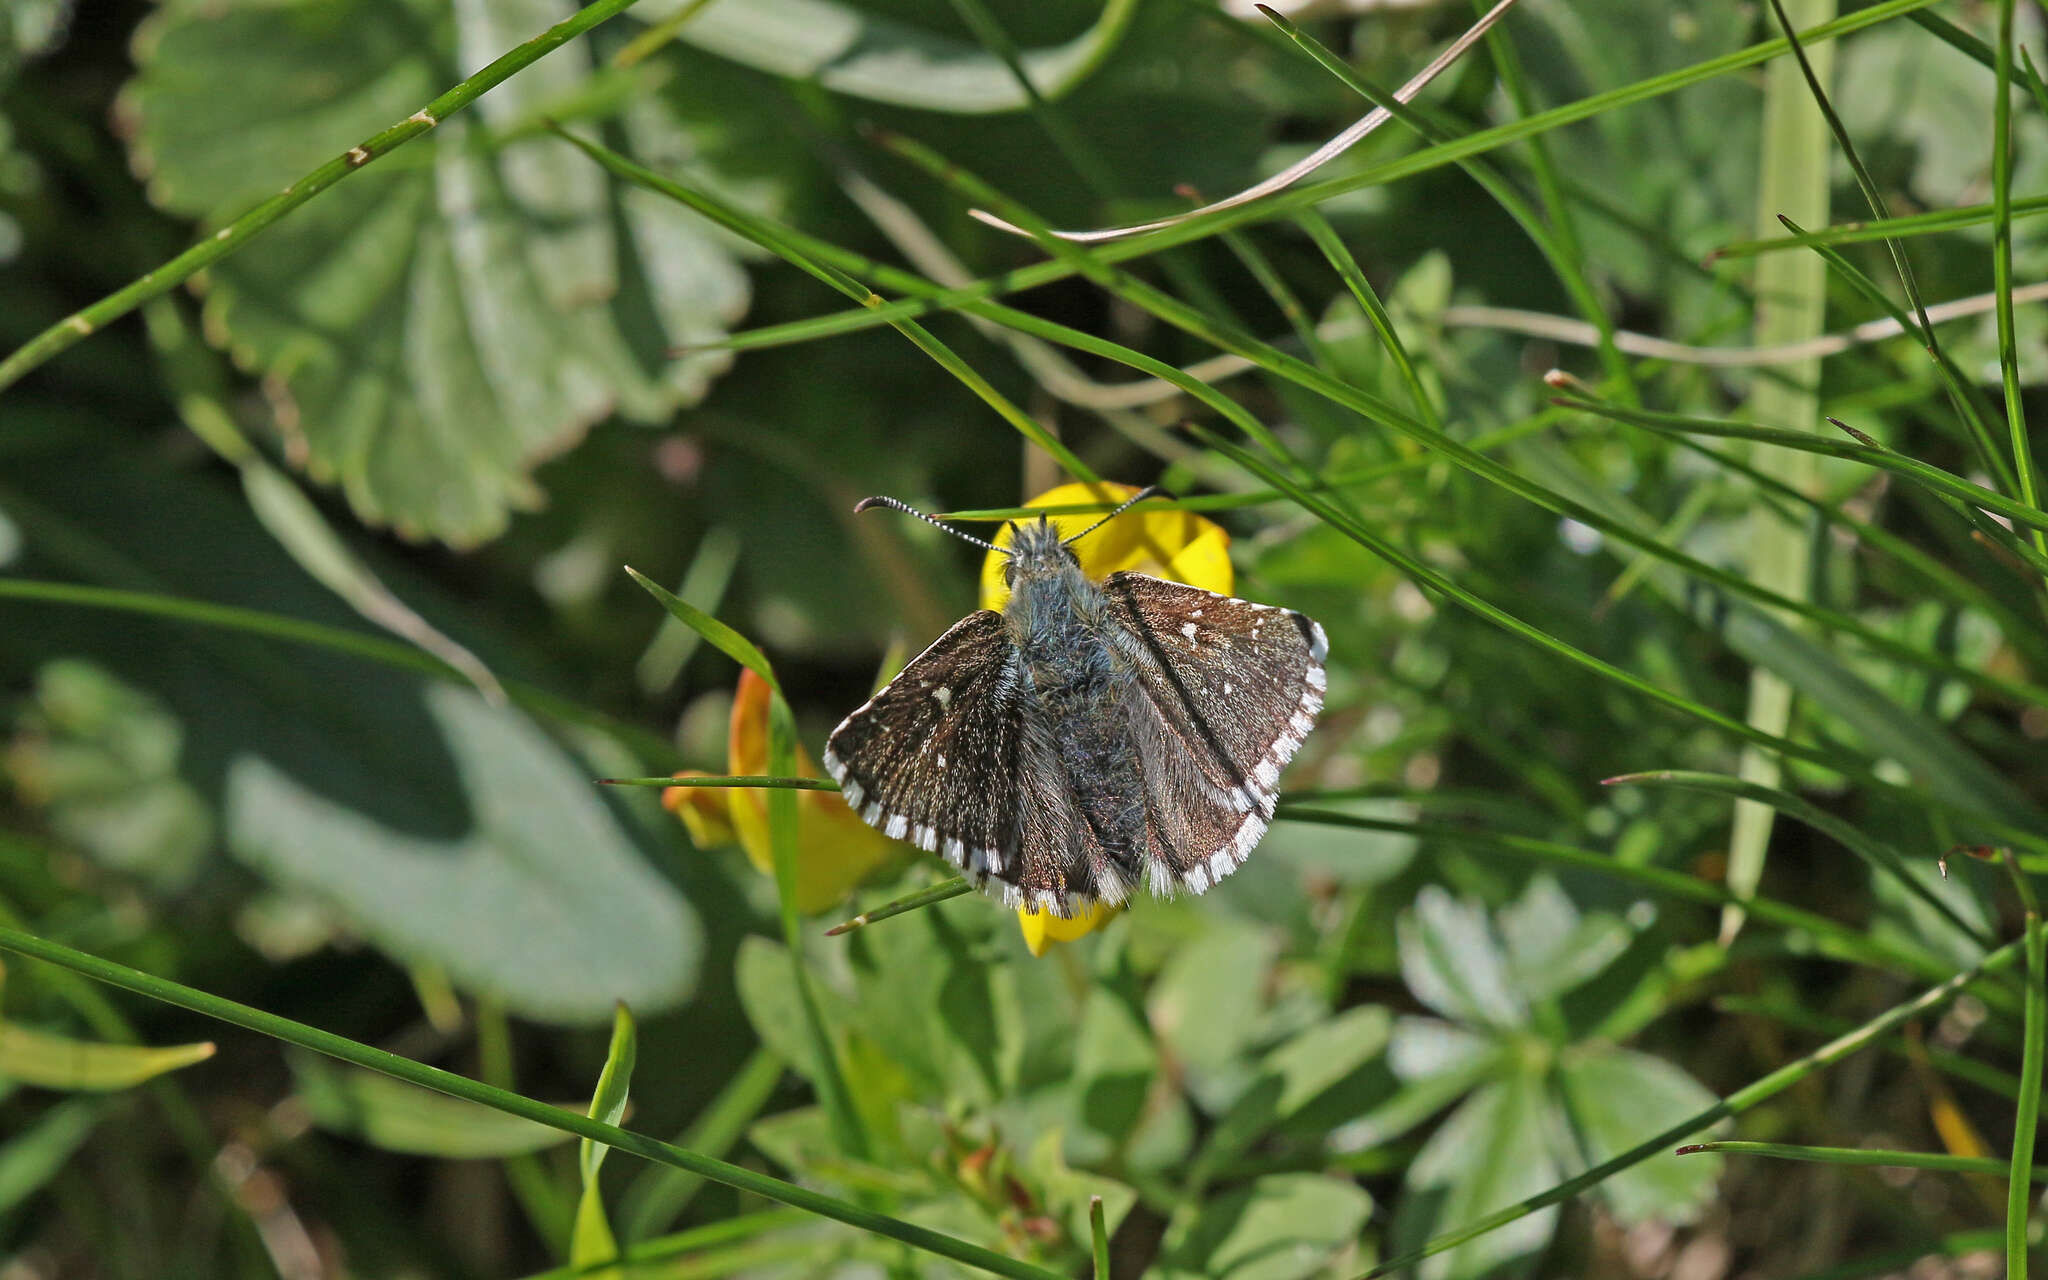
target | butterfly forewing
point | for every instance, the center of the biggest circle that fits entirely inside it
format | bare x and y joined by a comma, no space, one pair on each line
933,758
1232,688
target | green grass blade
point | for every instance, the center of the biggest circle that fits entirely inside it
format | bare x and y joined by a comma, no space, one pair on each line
2001,269
762,781
582,1126
1955,1065
1348,270
926,897
721,637
661,1193
1942,482
1877,854
51,1061
1098,1232
1315,193
390,653
1556,244
1734,1104
1424,575
1792,175
1832,937
239,232
766,234
591,1242
1902,227
2026,1115
1867,1157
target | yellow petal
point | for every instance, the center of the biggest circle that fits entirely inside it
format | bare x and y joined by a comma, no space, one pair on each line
1042,928
1177,545
705,812
835,850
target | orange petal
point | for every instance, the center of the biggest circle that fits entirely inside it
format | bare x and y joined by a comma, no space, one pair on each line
835,850
1178,545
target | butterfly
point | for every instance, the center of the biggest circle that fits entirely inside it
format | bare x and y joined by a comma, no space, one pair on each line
1089,737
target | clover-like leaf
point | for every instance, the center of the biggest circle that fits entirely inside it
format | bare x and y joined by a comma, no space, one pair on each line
543,903
440,322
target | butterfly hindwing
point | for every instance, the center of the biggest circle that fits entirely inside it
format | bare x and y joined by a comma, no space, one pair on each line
934,757
1229,689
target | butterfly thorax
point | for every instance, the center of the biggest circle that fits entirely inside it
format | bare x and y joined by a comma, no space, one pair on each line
1056,618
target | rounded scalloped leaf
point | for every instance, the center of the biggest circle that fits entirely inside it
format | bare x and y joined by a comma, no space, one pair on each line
544,902
439,323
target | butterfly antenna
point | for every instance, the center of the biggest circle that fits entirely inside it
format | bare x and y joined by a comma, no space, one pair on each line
909,510
1149,491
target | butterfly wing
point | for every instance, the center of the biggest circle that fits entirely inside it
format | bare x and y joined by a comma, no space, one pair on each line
1228,690
934,757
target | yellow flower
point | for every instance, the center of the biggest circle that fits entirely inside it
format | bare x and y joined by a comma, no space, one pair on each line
835,850
1178,545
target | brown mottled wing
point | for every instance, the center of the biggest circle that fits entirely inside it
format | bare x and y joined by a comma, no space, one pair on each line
934,757
1229,691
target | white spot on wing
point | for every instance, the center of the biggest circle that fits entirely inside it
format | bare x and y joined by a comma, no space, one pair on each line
943,696
899,826
1188,629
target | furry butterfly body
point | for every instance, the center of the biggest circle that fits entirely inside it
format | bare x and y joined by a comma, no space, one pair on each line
1091,737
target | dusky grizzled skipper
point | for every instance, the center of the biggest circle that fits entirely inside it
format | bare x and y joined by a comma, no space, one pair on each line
1089,736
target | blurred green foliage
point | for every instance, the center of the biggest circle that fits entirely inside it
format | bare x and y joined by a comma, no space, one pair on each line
425,418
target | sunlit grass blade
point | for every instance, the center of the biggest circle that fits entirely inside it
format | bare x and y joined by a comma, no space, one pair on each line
357,644
760,231
1098,1232
239,232
1734,1104
1876,853
582,1126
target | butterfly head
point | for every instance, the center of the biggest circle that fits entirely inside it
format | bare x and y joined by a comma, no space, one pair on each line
1036,553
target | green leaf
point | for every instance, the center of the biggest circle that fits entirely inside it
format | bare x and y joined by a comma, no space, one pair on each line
101,761
1612,1098
1551,948
761,979
543,902
728,641
865,56
440,323
1493,1152
1296,1074
33,1155
394,1116
1206,1004
591,1241
1453,962
1281,1227
59,1062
